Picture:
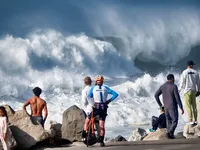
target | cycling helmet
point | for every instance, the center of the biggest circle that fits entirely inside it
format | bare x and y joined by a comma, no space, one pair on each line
99,79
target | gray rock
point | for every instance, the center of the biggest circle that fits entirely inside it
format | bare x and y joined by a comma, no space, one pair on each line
191,131
24,131
119,138
159,134
72,123
138,135
56,127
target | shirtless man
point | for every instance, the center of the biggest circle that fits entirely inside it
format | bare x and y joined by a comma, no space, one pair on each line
37,106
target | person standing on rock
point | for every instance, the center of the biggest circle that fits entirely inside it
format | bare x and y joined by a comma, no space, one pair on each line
37,106
190,83
99,94
87,103
171,100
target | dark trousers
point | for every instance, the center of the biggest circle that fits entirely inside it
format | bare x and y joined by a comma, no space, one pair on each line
154,121
172,120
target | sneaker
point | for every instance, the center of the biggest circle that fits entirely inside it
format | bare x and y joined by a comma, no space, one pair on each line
101,139
170,136
190,123
195,123
151,130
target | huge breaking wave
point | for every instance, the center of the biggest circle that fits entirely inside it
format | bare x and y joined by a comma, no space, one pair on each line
121,49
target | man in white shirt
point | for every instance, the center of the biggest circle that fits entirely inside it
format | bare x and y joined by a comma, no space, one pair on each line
87,102
190,83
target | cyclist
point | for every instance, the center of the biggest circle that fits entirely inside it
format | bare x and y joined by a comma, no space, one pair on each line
99,94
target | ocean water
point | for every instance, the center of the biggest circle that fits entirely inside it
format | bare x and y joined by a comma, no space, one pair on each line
133,44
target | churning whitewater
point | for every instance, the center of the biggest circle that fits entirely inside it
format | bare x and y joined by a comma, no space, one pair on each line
57,60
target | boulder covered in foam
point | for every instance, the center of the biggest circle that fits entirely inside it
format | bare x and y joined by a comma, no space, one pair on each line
72,123
25,132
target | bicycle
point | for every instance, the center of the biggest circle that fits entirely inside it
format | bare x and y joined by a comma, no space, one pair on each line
93,131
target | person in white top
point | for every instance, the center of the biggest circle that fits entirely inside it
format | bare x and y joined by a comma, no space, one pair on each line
4,128
87,102
190,83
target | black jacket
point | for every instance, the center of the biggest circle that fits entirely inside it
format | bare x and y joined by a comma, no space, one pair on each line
159,122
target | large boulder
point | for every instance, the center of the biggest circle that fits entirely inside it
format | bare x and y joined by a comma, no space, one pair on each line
72,123
138,135
191,131
25,131
56,127
159,134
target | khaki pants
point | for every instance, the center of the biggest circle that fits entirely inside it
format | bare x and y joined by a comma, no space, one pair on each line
190,104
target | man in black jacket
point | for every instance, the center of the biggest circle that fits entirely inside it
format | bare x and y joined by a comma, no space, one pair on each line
171,100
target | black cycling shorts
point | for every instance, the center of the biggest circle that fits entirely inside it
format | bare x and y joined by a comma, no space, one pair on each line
100,110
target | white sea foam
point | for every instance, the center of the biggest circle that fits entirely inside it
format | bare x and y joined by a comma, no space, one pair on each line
58,63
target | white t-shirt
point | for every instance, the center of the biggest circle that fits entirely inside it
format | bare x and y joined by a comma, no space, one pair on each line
87,102
190,80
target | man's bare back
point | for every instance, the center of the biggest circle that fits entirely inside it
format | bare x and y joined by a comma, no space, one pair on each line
37,104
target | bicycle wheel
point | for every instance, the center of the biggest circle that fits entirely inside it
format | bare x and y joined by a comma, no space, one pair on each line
97,128
92,138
